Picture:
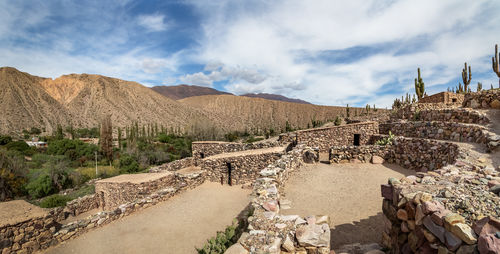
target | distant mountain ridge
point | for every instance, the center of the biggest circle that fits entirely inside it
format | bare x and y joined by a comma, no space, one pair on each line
275,97
183,91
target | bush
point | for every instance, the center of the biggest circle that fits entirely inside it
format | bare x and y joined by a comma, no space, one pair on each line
40,187
128,164
386,141
5,140
19,146
221,242
54,201
12,174
338,121
73,149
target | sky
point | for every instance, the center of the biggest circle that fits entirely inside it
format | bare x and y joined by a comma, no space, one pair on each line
329,52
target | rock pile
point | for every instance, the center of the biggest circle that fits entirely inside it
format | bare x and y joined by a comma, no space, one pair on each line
483,99
450,210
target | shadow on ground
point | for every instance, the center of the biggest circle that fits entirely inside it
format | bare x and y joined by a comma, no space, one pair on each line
365,231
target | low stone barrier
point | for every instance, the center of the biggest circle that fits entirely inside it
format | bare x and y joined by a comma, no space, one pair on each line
204,149
484,99
325,138
174,165
76,207
271,232
238,169
412,153
451,210
421,112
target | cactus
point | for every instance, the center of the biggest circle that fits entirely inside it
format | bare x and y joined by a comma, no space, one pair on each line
419,86
464,77
479,86
495,64
347,112
459,89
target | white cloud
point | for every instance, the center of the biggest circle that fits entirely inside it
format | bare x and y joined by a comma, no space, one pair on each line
437,36
153,22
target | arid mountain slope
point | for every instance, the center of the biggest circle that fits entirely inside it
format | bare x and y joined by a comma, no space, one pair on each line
240,112
88,98
184,91
275,97
25,104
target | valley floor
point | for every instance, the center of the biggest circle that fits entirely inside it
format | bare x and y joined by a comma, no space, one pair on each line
177,225
348,193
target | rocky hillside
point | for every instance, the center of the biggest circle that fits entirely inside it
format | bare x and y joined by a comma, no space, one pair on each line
275,97
24,103
82,100
240,112
184,91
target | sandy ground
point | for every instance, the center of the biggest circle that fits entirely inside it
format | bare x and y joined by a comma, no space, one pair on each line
177,225
348,193
15,211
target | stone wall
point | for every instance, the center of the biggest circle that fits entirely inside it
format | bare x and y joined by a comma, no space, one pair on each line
204,149
272,232
325,138
411,153
174,165
444,97
451,210
417,112
244,168
79,205
483,99
437,130
121,189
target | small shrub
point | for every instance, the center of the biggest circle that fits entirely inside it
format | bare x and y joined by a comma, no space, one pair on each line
221,242
40,186
19,146
128,164
338,121
386,141
54,201
5,140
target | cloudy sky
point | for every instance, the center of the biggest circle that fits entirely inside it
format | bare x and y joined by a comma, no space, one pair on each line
329,52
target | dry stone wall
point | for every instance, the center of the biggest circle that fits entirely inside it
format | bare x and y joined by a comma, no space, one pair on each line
451,210
272,232
412,153
416,112
204,149
244,168
174,165
443,97
121,189
484,99
325,138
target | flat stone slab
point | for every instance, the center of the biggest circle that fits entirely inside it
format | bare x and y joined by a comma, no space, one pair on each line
277,149
136,178
16,211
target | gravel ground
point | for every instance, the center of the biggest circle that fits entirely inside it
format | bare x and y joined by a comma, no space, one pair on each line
174,226
348,193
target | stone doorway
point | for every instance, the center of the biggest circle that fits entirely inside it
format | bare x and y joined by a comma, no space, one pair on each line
357,138
229,171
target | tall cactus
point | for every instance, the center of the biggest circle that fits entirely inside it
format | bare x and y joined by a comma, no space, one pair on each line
495,64
419,86
464,77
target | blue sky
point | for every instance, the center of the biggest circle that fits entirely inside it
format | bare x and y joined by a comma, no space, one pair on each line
327,52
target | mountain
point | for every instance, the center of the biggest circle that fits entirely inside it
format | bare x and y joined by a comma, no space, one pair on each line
275,97
82,100
183,91
24,103
245,113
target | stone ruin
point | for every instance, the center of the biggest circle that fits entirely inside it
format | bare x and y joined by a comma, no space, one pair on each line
450,205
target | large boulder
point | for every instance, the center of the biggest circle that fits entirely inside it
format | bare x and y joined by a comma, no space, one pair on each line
310,156
313,235
236,249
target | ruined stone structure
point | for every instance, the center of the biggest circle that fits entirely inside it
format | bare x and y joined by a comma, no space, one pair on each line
325,138
444,97
429,112
203,149
483,99
239,167
421,155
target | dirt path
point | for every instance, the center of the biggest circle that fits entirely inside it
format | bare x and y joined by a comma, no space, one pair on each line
348,193
174,226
